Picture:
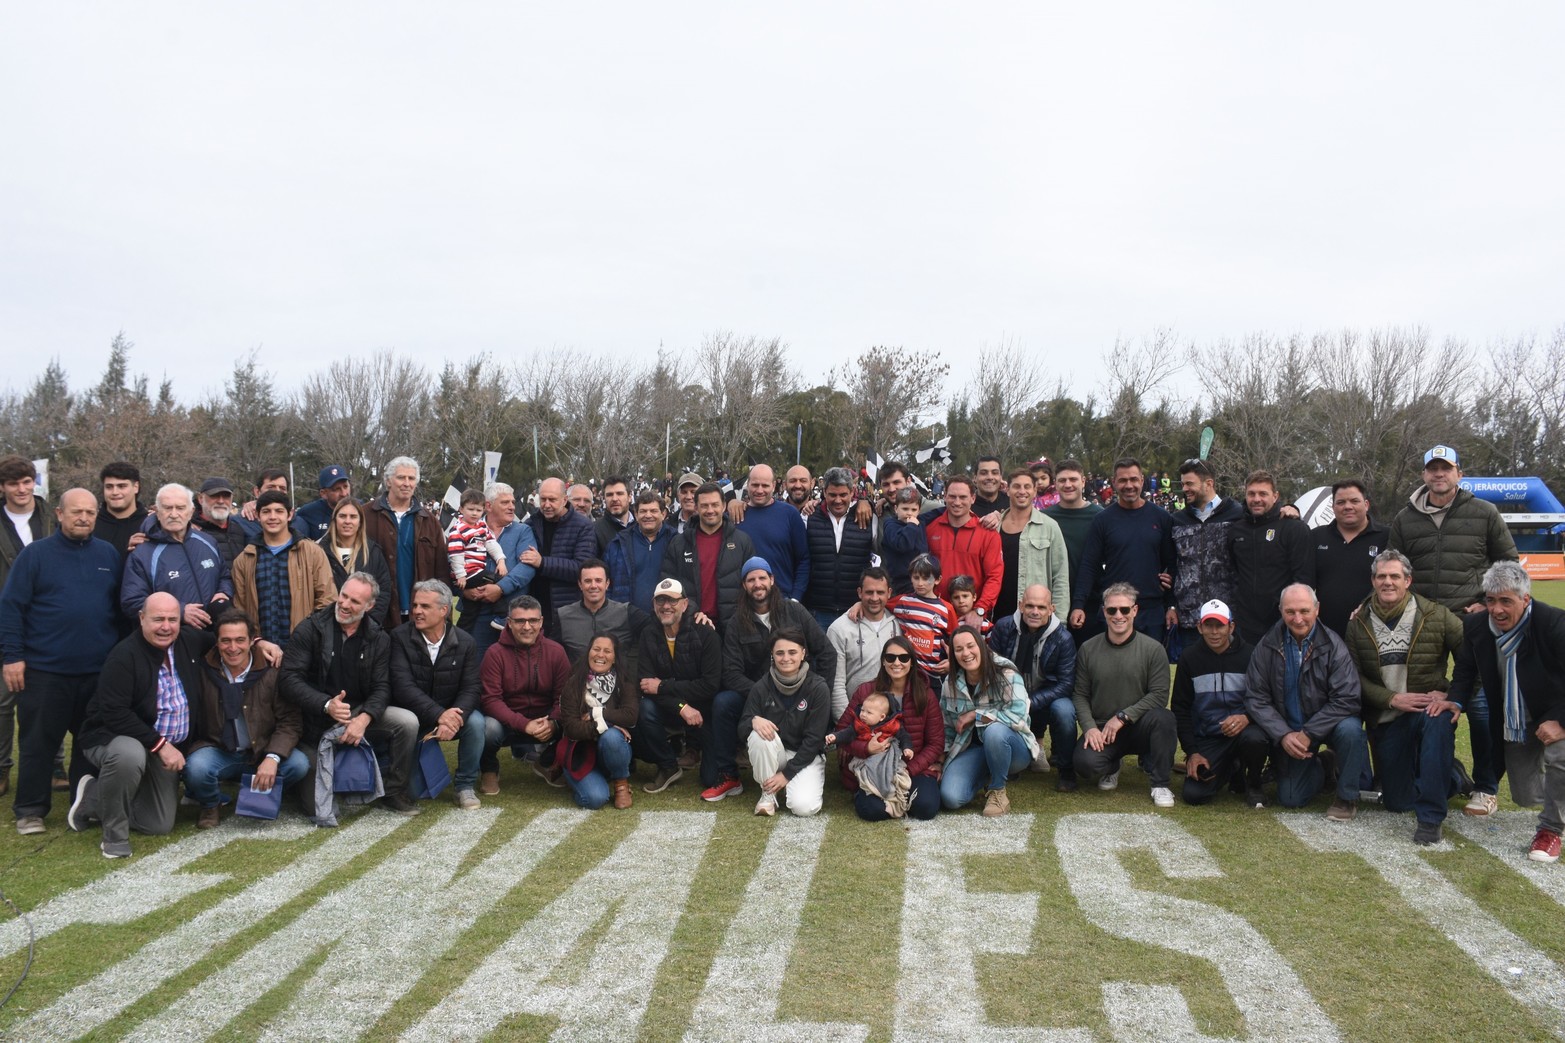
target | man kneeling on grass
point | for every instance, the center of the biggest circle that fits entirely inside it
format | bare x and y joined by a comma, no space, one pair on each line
1302,688
1515,651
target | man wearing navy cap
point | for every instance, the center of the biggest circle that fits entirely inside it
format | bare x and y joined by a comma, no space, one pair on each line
313,519
1452,538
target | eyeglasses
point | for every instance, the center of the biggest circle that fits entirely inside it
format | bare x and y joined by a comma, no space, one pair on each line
666,601
538,622
1118,610
896,657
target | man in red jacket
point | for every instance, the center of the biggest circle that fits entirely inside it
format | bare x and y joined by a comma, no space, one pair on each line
966,548
522,674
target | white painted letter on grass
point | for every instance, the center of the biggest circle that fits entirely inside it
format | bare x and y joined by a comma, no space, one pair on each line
1269,995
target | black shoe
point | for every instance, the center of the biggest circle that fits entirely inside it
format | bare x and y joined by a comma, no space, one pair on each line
1254,798
1065,785
400,803
1427,833
1464,784
1328,763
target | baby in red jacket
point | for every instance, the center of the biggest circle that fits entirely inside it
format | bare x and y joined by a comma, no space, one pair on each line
875,721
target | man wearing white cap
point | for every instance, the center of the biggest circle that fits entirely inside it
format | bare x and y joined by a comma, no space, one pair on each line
1216,733
681,667
1451,537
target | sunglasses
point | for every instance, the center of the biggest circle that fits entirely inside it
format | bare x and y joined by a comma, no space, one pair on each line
1118,610
896,657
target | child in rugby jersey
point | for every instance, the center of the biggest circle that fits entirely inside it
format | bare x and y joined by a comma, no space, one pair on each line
469,542
963,592
927,621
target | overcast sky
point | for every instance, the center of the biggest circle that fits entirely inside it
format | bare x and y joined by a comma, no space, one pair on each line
329,179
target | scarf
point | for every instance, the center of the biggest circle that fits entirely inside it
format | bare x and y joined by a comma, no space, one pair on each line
599,690
1506,644
787,689
1294,653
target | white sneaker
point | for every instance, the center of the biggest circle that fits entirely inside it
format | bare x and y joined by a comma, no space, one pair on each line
1109,782
467,800
767,805
1482,804
1162,796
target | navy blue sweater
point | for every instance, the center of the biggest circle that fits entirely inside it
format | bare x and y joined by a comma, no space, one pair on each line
60,608
1130,546
777,530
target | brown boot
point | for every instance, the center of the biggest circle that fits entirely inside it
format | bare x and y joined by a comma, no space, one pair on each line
207,818
621,793
489,783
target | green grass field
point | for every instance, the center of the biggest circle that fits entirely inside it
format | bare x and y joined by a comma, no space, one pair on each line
529,920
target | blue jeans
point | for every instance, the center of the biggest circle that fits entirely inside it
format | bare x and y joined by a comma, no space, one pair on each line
1299,780
727,708
210,765
497,735
825,619
592,789
998,749
1486,771
470,741
1414,752
924,802
1058,718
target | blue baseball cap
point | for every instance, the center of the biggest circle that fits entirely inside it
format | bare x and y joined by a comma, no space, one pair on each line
331,476
1442,452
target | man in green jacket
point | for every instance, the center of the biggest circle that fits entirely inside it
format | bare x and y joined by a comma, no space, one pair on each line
1403,644
1452,537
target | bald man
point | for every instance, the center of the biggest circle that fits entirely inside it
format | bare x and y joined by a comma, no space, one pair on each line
145,707
799,488
565,538
58,622
778,532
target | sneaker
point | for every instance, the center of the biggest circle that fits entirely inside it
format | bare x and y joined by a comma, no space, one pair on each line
691,758
1065,785
115,848
489,783
1040,763
663,780
724,788
1482,804
1545,846
1427,833
1109,781
207,818
1254,798
997,804
497,623
30,825
1342,810
84,809
1162,797
552,774
400,803
467,800
767,805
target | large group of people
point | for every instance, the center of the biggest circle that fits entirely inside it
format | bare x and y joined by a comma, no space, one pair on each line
941,649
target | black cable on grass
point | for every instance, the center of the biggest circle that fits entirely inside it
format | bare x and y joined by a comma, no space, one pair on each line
31,937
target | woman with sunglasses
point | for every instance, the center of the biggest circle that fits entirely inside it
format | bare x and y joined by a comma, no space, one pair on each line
988,733
922,723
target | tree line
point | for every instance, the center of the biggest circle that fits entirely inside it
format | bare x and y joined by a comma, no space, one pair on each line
1310,409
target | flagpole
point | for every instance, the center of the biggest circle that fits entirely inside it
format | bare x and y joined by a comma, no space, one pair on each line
668,438
798,446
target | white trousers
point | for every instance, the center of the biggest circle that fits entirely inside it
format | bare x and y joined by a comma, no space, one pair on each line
805,790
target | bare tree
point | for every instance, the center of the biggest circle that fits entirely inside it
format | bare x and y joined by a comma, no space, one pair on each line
1136,375
1258,391
736,409
991,414
363,412
889,391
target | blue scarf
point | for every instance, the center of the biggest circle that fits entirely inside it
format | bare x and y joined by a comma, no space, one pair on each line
1506,644
1293,665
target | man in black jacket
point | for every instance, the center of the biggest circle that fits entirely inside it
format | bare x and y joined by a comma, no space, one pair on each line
434,675
682,665
337,670
1515,651
147,703
713,547
840,551
1268,552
